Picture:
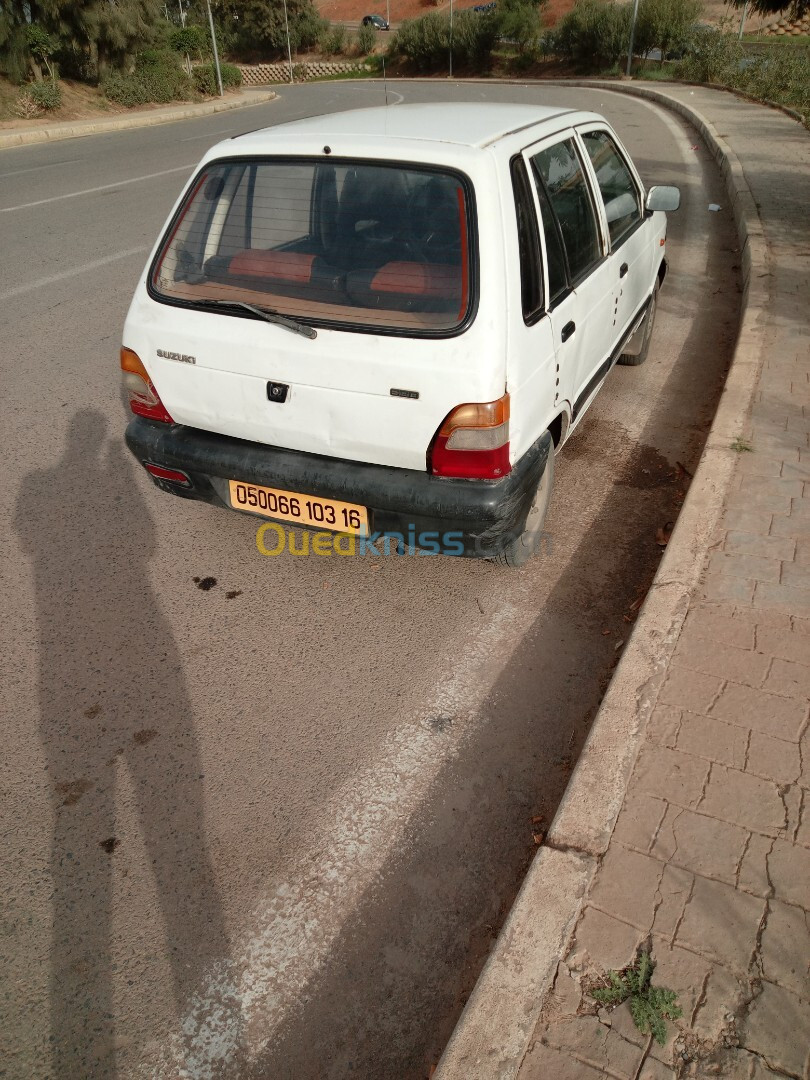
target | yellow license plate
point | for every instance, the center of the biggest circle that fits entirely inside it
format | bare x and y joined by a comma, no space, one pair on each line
308,510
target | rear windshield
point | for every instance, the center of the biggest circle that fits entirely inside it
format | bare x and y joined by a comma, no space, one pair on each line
377,246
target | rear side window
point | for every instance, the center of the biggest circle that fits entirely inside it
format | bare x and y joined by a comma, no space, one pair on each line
560,172
531,280
378,246
619,192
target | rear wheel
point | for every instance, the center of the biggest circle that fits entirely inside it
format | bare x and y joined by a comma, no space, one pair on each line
645,332
520,549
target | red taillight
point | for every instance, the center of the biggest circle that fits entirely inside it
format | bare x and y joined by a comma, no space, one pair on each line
473,442
162,473
143,398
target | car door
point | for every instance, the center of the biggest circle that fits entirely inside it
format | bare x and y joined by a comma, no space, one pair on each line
622,196
532,374
581,297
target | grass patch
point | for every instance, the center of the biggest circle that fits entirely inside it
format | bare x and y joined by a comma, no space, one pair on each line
786,41
741,445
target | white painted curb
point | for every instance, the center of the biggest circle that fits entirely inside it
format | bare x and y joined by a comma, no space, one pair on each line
493,1033
150,118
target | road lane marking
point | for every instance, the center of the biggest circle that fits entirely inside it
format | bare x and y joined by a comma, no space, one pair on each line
36,168
93,190
293,930
85,269
219,131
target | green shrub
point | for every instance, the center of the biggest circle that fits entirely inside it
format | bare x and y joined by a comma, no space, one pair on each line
47,94
425,42
231,75
519,22
37,98
593,34
204,77
127,90
780,75
783,76
157,77
333,40
366,40
712,56
474,36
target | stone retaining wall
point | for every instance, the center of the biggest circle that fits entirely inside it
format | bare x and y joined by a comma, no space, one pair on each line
259,74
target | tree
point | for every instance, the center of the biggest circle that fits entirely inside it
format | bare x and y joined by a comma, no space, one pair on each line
14,54
261,25
665,24
519,22
41,46
795,8
593,34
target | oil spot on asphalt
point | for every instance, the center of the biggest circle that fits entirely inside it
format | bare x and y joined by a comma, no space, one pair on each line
109,845
232,594
647,468
93,711
73,791
439,724
205,583
144,736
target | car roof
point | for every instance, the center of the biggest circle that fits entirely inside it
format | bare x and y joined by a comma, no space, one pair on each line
469,124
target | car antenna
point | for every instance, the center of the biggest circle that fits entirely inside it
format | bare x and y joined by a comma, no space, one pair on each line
385,81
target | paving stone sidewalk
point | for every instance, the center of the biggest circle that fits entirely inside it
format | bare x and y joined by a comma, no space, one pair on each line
709,862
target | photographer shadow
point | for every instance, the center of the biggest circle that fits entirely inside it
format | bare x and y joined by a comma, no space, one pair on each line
112,696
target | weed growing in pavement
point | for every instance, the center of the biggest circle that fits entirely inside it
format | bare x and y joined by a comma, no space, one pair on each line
650,1006
741,445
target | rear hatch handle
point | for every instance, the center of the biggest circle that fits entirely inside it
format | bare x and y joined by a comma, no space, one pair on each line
293,325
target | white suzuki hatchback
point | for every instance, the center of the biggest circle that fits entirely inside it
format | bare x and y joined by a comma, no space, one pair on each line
384,322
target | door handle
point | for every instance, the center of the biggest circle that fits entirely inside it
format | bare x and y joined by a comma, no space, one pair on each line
623,269
567,331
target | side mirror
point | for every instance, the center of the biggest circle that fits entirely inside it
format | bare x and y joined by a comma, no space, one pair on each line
663,198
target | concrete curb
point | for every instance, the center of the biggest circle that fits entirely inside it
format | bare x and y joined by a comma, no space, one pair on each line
493,1033
71,130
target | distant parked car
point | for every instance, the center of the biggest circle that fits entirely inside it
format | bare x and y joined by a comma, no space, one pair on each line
377,21
483,9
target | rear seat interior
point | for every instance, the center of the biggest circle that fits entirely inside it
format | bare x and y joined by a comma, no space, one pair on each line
361,251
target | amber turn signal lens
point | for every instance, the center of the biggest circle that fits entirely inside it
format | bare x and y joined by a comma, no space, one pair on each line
486,414
143,397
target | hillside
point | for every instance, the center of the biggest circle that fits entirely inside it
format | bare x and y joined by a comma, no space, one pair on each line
354,10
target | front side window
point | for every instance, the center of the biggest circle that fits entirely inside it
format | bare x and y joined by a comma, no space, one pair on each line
619,192
560,172
377,246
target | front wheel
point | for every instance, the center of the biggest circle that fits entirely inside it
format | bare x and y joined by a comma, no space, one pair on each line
644,332
518,551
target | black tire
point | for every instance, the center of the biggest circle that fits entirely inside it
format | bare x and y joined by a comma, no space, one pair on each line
518,551
626,359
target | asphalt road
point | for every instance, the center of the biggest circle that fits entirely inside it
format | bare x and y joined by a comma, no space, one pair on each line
288,812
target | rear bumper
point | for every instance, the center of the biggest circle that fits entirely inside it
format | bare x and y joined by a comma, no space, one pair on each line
481,515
